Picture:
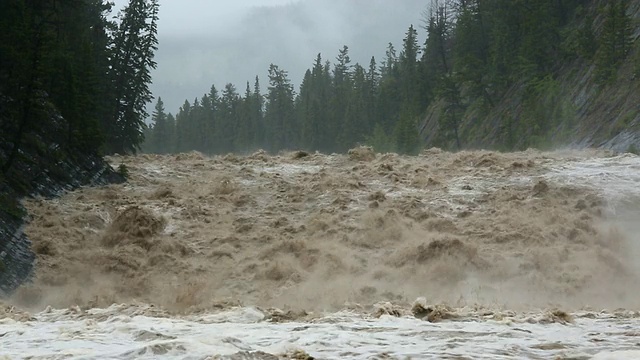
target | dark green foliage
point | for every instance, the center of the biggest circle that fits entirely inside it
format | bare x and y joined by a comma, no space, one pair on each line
70,74
341,90
354,122
279,116
216,123
184,126
51,58
615,40
161,134
544,109
587,43
380,140
406,134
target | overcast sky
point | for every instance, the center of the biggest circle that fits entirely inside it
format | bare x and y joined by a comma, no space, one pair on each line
214,42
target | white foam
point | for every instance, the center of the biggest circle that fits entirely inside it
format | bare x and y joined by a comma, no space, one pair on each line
345,335
617,177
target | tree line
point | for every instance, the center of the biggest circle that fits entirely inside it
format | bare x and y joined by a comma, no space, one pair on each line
475,52
75,73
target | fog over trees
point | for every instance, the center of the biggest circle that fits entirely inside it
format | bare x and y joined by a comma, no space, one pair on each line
474,53
205,42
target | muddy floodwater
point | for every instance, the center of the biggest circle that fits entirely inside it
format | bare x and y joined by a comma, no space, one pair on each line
368,256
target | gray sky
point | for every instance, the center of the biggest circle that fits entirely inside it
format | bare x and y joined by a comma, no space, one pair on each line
214,42
196,16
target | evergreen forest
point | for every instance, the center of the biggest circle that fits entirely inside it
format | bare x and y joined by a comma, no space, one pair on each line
74,76
474,55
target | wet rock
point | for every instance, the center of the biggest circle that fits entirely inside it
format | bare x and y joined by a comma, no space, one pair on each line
432,313
299,155
540,188
386,308
362,153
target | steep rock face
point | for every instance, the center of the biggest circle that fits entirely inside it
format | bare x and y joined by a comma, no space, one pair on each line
16,257
43,168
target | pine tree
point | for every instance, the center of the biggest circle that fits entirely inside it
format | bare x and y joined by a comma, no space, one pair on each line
170,146
625,30
341,90
539,27
134,45
23,59
305,112
183,128
505,18
203,125
51,61
587,43
212,118
312,107
228,119
436,55
408,71
161,141
614,42
606,57
439,80
405,127
437,51
451,114
324,138
406,134
244,126
75,81
198,136
381,141
409,54
279,113
355,126
372,88
470,55
389,91
257,115
390,61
